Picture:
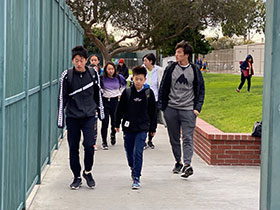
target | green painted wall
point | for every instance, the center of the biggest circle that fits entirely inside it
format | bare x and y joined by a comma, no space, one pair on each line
36,38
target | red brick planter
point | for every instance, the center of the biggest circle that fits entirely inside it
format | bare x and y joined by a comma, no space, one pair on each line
219,148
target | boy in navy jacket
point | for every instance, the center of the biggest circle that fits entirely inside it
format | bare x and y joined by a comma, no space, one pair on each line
137,110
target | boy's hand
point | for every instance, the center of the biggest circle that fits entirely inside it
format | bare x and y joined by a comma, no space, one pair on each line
196,112
117,130
152,133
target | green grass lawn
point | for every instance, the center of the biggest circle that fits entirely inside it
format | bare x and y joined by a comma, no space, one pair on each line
228,110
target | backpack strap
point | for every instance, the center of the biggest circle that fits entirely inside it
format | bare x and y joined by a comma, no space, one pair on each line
92,73
128,93
70,75
71,71
147,93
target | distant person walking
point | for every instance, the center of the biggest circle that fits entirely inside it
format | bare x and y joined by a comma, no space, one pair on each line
153,79
204,66
199,62
112,85
122,69
80,94
181,96
247,71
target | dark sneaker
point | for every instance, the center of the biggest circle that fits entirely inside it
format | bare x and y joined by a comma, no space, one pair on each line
237,90
90,181
151,144
113,139
187,171
104,146
146,146
136,183
77,182
177,168
95,147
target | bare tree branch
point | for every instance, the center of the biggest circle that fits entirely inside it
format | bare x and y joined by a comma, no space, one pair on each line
126,49
112,45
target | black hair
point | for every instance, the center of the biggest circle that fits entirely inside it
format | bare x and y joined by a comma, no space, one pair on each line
150,57
105,69
98,58
186,47
79,50
139,70
97,67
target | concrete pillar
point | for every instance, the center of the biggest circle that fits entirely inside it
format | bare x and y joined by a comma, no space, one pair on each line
270,157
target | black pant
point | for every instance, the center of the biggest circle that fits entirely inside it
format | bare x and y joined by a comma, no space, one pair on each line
243,81
110,106
74,128
150,137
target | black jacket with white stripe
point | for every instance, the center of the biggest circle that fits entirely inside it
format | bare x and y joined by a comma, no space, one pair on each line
81,96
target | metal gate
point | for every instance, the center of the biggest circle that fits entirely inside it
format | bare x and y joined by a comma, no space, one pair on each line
36,38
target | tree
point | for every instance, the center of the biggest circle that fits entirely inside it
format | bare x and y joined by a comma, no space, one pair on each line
242,16
193,36
100,34
146,21
226,42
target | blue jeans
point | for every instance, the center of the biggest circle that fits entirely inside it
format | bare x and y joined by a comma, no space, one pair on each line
134,146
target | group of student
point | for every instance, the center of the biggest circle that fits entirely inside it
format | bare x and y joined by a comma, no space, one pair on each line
86,92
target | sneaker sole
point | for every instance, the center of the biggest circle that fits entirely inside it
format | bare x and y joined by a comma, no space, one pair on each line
135,188
76,188
91,187
184,176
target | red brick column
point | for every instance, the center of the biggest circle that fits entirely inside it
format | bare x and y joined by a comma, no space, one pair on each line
219,148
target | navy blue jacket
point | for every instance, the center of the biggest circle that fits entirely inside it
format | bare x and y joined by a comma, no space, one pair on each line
165,85
137,110
245,64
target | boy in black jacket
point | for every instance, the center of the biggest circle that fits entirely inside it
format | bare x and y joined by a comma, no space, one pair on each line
137,110
80,94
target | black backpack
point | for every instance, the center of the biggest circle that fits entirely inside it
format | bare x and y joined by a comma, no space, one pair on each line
257,129
128,93
70,74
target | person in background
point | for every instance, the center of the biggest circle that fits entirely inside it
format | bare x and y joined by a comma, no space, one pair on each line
199,62
137,111
122,69
204,65
95,62
153,79
247,72
112,85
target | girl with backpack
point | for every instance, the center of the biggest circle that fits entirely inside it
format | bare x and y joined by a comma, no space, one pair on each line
112,85
246,73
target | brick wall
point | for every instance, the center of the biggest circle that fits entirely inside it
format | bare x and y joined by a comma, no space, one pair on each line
219,148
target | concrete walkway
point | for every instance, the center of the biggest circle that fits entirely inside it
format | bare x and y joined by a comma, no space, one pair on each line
210,188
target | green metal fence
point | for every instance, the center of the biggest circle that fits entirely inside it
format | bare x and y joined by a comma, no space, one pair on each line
36,38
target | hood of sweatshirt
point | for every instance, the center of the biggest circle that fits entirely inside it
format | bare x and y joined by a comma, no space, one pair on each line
248,57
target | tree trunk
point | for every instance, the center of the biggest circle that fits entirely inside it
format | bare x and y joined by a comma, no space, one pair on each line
106,58
158,56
